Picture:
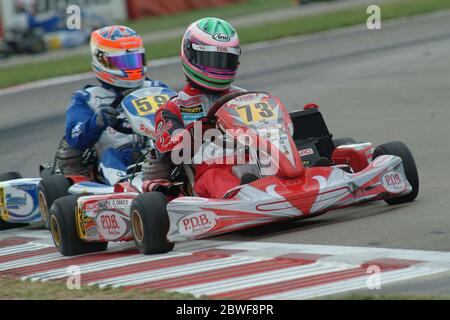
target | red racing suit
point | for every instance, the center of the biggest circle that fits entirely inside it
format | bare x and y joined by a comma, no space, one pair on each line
191,104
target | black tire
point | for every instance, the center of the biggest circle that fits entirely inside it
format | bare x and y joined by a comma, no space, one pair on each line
343,141
5,177
5,51
150,223
64,230
37,45
399,149
51,188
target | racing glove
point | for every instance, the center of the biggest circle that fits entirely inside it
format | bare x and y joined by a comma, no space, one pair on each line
106,117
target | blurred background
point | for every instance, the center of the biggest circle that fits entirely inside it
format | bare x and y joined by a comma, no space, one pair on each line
371,85
35,26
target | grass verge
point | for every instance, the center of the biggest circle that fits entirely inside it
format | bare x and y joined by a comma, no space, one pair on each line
19,290
15,75
152,24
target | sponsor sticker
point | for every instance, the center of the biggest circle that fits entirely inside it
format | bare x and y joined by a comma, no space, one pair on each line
146,130
236,51
393,182
111,225
221,37
197,223
192,109
18,201
306,152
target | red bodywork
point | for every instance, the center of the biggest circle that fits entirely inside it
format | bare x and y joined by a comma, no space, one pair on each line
290,191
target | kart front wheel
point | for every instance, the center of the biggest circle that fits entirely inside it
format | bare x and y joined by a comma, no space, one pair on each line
399,149
150,223
6,177
51,188
64,230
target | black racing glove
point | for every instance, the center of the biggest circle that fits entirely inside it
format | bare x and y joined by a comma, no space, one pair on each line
106,117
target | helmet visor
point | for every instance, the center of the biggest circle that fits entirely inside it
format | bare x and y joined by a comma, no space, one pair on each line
129,61
214,57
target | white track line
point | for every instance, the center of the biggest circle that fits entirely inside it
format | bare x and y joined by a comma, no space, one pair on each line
28,247
354,284
73,78
263,278
100,266
154,275
28,262
337,258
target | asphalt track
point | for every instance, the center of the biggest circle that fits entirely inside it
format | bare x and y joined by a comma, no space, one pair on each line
379,86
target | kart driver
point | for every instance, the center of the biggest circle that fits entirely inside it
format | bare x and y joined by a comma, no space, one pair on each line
210,58
118,60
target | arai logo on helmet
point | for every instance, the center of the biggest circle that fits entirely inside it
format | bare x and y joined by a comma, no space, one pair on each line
221,37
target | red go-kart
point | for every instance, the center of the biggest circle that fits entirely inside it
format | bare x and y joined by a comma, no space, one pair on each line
299,172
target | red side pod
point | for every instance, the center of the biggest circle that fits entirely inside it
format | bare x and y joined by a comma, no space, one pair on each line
124,187
357,157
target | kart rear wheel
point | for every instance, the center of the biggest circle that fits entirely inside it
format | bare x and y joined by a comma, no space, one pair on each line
64,230
343,141
5,177
399,149
51,188
150,223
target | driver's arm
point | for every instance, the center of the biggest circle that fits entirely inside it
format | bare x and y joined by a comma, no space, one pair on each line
168,119
82,130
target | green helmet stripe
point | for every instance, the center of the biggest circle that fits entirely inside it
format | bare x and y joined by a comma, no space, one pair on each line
199,75
205,80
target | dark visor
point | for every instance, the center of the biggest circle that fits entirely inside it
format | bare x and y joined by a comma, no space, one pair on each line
219,60
127,61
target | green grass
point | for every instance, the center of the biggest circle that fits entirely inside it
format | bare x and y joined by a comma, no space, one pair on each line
338,19
268,31
185,18
16,289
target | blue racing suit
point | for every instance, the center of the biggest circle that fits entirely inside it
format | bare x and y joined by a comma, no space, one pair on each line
114,149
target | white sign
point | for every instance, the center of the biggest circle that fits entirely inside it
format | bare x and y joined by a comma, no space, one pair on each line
113,9
374,20
73,17
73,281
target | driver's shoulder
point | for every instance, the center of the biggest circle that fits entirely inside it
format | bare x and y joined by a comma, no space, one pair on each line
90,92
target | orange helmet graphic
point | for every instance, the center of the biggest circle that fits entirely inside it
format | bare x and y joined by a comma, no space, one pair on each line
118,57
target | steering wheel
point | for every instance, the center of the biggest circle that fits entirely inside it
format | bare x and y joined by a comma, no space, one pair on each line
230,96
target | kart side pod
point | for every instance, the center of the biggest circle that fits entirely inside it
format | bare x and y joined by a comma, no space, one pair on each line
273,199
